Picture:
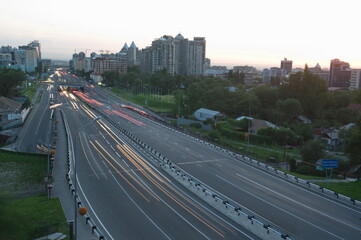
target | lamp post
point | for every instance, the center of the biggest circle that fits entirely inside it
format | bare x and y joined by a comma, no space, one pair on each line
249,116
75,179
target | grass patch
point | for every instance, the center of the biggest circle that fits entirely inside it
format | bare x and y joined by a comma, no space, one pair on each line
21,171
305,176
262,153
350,189
30,91
156,103
40,95
31,217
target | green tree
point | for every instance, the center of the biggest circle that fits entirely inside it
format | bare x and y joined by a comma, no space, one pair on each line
290,106
346,115
354,142
309,89
214,135
9,80
236,77
267,96
312,151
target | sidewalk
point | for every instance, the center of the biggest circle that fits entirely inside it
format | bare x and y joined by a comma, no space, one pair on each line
61,187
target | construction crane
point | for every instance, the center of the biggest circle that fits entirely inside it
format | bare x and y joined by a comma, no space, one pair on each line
85,50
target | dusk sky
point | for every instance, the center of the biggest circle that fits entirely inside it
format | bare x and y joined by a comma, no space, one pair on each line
259,32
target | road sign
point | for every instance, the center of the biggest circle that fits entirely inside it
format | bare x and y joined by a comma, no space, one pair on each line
329,163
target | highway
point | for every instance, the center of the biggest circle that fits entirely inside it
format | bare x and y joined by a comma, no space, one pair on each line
37,128
129,196
295,210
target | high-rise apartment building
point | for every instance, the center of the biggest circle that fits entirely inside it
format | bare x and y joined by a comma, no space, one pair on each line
340,74
109,62
196,56
163,54
177,55
286,66
26,57
355,79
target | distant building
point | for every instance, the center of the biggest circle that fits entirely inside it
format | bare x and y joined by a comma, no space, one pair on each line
29,57
46,62
286,66
317,70
355,79
273,72
133,54
177,55
25,58
203,114
250,73
207,63
217,71
109,62
340,74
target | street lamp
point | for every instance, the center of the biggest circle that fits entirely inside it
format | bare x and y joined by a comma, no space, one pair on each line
75,179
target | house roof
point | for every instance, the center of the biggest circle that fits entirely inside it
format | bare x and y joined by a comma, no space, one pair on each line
208,111
203,114
243,117
8,105
132,45
347,126
258,124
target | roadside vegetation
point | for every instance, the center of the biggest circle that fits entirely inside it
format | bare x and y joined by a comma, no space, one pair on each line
25,210
350,189
280,102
30,91
157,103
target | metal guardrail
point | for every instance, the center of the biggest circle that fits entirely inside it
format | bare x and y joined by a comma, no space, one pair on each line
70,158
252,224
256,226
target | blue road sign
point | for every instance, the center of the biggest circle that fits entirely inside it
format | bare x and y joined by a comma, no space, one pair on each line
329,163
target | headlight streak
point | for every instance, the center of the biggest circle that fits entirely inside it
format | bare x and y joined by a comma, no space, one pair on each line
171,196
82,142
144,166
124,170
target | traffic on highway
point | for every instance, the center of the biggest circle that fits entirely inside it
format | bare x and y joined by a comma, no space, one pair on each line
124,180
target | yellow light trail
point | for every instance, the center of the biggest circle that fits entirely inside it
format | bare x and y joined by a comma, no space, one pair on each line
172,197
136,160
124,170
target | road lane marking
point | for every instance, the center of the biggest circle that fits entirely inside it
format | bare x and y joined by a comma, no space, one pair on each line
279,208
93,211
140,209
290,199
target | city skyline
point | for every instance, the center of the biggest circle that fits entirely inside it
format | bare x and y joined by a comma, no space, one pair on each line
259,33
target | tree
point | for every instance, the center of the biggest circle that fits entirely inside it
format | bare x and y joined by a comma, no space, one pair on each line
290,106
312,151
267,96
354,142
214,135
275,81
309,89
346,115
9,79
236,77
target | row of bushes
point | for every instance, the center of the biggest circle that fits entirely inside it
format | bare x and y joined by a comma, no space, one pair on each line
228,131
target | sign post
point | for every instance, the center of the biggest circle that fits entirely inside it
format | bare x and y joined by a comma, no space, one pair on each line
329,164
